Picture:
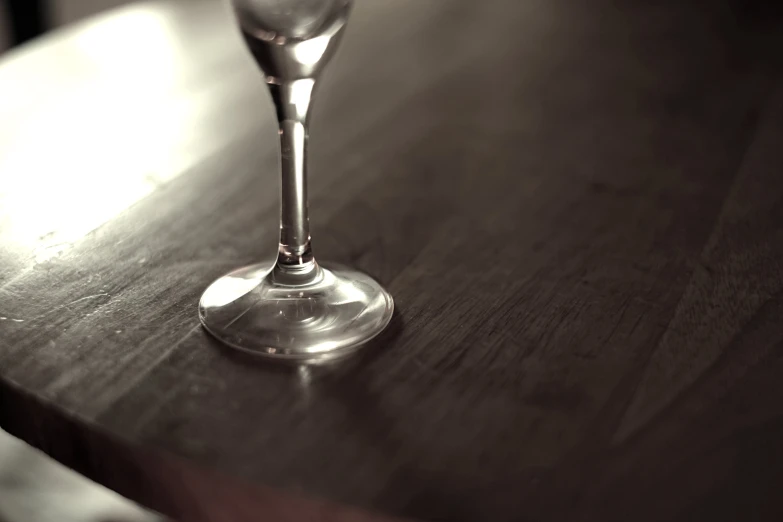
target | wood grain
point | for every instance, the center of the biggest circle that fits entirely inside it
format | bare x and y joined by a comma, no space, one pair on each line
577,207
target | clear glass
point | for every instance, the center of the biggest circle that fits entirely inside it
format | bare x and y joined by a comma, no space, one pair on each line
292,307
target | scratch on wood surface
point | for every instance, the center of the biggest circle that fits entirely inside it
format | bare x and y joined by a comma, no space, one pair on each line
86,298
9,292
68,305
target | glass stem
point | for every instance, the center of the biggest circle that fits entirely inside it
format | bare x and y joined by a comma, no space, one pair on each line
292,102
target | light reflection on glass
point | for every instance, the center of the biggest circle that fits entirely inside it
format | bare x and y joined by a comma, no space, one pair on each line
229,290
310,51
301,90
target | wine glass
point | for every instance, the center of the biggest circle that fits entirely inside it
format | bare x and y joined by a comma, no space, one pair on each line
292,307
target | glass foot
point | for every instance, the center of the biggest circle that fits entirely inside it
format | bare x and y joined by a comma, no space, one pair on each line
271,313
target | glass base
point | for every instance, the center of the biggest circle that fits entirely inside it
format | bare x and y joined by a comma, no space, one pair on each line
271,312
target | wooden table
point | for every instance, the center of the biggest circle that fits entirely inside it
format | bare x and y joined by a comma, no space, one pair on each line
578,207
